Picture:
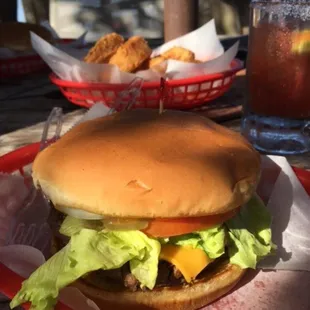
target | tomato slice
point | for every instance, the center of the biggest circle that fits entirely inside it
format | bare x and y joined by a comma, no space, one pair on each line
184,225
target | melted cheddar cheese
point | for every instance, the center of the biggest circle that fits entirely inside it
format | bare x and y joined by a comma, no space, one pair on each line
189,261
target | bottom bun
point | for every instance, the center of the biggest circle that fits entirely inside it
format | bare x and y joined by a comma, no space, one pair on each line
202,292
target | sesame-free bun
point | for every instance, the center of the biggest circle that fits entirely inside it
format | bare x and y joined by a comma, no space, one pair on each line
16,36
143,164
213,286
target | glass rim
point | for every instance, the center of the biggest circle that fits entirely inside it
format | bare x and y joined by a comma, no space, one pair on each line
274,2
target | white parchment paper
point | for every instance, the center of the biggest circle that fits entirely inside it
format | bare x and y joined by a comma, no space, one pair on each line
68,65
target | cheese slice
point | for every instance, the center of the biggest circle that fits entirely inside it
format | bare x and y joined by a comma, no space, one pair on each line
189,261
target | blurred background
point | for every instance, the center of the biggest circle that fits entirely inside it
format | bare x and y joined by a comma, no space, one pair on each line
70,18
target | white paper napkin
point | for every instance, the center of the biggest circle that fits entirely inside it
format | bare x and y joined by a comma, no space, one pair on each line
13,193
22,259
289,205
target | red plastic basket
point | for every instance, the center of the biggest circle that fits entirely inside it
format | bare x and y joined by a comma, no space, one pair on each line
22,65
178,94
12,67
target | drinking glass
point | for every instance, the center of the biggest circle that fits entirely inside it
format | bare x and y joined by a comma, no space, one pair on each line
277,110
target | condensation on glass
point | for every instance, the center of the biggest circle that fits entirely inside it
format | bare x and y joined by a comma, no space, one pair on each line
277,109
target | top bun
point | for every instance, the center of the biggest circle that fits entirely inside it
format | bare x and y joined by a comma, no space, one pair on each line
142,164
16,36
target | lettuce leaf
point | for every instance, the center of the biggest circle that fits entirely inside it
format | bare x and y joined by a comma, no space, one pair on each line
212,241
250,234
141,267
145,268
90,250
193,240
247,236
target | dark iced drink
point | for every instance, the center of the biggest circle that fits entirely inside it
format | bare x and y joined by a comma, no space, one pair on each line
277,110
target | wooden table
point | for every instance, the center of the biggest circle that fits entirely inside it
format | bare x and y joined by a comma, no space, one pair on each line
25,105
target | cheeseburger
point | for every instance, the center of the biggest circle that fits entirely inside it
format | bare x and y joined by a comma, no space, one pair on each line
155,211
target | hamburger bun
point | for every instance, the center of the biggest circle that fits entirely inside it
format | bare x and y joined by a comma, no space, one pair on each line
141,164
16,36
195,296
